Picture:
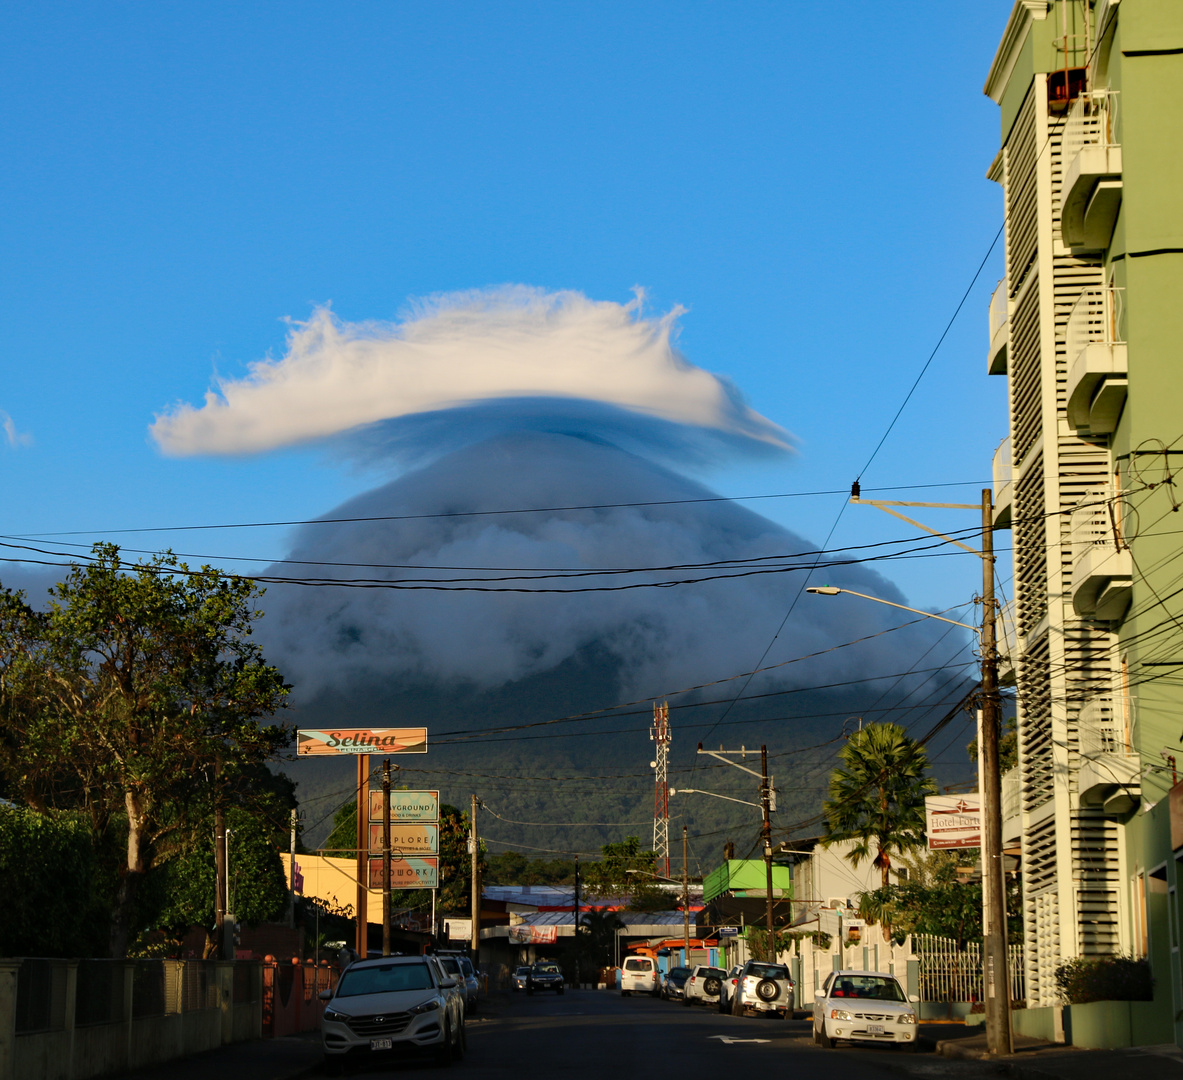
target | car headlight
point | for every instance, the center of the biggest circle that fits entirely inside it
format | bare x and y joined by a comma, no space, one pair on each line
840,1014
426,1007
332,1014
908,1018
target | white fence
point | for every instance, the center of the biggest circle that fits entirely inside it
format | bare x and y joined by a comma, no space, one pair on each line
949,973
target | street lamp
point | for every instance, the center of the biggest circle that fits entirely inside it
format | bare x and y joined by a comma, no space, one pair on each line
997,968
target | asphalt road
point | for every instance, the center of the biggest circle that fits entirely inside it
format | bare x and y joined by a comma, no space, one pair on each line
602,1036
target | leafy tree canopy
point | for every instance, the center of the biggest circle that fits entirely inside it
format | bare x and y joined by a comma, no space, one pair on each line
876,795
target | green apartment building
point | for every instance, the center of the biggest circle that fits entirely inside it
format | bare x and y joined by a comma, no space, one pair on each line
1087,326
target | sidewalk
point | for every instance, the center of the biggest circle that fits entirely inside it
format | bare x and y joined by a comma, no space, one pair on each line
1035,1059
260,1059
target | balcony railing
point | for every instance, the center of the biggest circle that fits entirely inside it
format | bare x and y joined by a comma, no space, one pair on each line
1102,572
1110,768
999,331
1003,485
1092,171
1096,355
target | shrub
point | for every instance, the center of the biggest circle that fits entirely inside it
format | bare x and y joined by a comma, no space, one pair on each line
1104,978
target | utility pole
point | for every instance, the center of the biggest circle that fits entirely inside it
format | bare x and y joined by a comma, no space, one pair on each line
386,857
999,1037
363,854
685,897
475,874
766,806
292,871
219,878
577,920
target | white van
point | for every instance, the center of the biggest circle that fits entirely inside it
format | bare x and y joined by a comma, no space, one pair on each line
638,974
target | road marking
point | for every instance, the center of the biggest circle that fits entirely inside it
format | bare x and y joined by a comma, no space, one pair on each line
729,1040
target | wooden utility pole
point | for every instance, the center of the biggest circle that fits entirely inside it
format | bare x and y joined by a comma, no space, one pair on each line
475,875
999,1038
363,854
685,897
295,817
220,930
386,857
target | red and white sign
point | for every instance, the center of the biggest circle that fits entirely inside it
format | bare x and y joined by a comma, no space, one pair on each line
533,935
953,821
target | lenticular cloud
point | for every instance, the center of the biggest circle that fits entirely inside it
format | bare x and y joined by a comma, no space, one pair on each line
464,351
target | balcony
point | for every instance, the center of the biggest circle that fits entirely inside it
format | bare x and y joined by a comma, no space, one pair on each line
1004,489
1110,770
999,332
1102,571
1092,175
1007,643
1098,363
1012,806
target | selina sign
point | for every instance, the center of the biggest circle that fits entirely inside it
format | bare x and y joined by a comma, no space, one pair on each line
391,740
953,821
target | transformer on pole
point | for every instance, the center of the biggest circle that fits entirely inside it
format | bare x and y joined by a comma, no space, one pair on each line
661,736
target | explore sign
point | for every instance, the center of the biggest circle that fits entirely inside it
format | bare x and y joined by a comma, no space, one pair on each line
394,740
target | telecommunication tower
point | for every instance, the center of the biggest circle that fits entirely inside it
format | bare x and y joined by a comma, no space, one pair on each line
661,736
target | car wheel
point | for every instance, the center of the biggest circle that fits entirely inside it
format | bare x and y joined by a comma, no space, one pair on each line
825,1039
686,1002
625,993
561,990
334,1065
817,1039
737,1006
721,1005
907,1048
444,1053
462,1042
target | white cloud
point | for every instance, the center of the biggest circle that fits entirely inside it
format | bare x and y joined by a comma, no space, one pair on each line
13,437
458,350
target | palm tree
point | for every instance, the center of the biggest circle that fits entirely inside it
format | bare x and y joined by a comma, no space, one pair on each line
877,795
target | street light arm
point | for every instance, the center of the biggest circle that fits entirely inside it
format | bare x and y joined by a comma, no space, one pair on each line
832,590
721,756
697,791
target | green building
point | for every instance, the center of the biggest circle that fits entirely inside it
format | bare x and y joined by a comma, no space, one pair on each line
1087,326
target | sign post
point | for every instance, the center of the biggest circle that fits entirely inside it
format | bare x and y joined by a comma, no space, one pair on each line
362,742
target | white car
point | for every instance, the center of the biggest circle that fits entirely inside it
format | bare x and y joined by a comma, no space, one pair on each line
703,985
639,976
389,1005
863,1006
763,988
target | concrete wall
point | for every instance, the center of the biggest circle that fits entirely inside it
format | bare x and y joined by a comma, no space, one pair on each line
65,1051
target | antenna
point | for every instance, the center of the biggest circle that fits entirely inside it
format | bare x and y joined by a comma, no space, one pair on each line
662,737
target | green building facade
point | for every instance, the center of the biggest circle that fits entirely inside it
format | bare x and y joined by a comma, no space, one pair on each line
1087,326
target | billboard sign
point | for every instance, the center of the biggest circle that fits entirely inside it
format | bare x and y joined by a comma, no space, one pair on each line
311,743
407,805
406,839
533,935
953,821
409,873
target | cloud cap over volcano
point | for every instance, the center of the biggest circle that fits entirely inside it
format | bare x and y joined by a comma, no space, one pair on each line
461,350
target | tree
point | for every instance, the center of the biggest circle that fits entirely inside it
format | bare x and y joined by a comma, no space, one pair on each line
136,697
877,796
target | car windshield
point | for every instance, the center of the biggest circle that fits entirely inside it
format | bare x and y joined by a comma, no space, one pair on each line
466,966
678,973
522,971
545,969
768,971
384,979
876,987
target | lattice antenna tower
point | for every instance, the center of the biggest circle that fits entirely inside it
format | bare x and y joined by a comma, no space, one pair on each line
662,737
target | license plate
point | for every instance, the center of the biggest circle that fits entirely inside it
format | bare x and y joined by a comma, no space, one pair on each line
381,1044
874,1029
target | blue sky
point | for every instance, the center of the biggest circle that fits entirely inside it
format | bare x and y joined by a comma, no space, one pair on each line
806,180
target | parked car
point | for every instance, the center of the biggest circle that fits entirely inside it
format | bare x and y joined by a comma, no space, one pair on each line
863,1006
544,976
763,988
727,988
638,976
703,985
517,981
385,1006
673,986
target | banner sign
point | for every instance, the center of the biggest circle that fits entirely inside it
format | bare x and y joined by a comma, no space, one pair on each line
533,935
407,805
406,839
418,873
393,740
953,821
458,929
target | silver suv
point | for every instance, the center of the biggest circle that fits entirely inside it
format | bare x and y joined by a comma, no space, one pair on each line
763,988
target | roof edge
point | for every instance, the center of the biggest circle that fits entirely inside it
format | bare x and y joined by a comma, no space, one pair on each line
1018,26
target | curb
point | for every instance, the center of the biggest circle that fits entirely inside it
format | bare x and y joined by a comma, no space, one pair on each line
949,1048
